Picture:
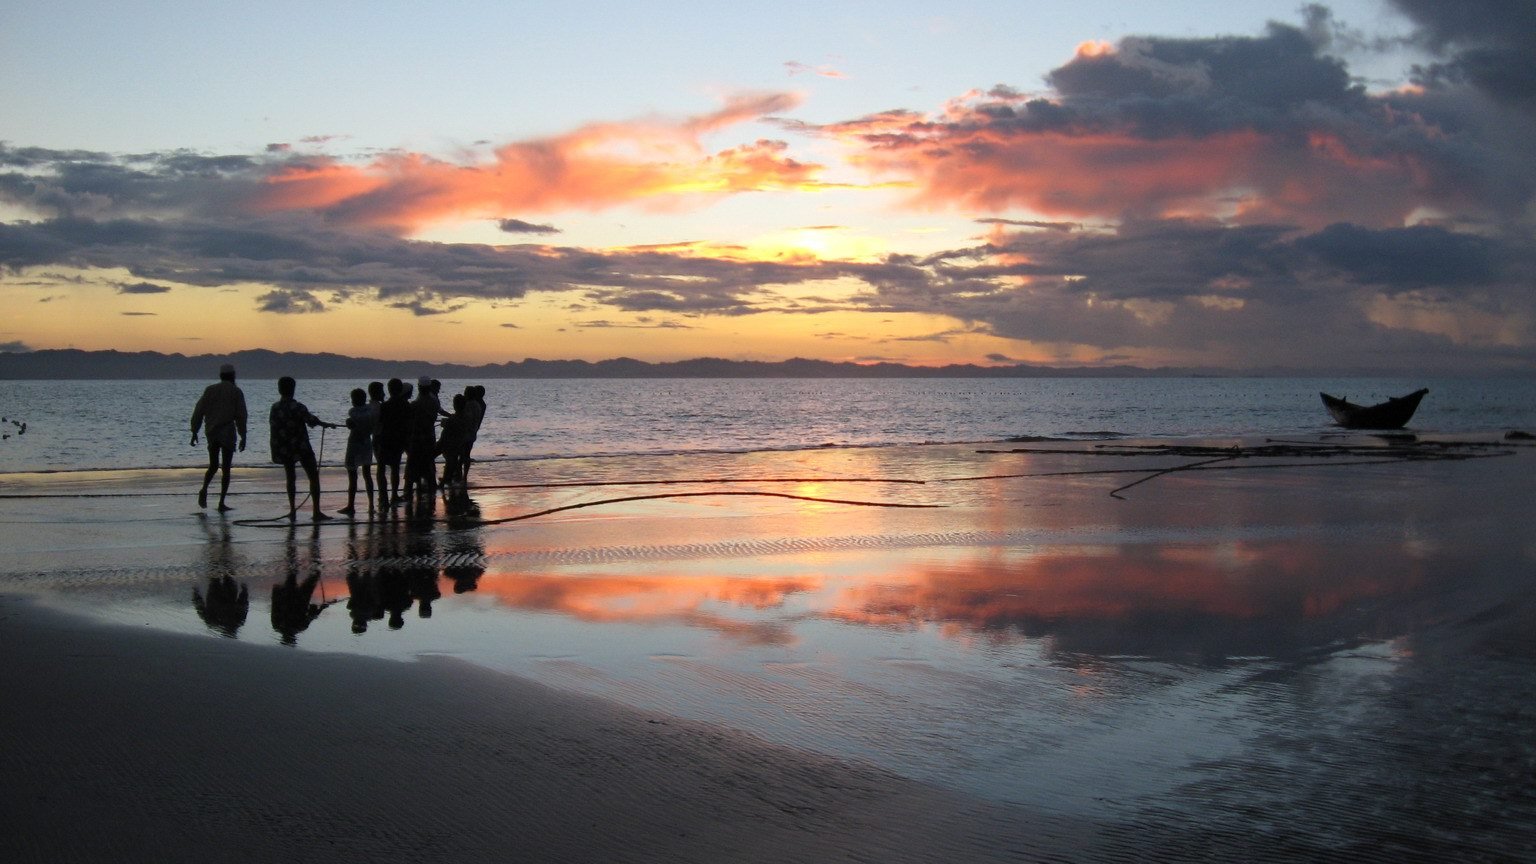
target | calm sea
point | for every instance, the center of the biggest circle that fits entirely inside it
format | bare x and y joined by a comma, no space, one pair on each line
138,424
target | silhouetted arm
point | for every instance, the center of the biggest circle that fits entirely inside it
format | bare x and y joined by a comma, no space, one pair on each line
240,416
197,418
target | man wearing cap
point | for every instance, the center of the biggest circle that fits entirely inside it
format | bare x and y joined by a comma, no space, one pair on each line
221,413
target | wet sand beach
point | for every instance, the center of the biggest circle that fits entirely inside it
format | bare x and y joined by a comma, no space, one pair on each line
135,745
1317,654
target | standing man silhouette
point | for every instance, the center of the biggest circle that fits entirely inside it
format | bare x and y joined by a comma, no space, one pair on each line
290,422
221,413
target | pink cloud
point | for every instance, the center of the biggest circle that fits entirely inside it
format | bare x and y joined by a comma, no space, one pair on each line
655,162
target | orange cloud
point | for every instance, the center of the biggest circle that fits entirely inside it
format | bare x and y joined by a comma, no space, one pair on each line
597,166
1094,48
317,185
1069,174
1243,173
794,246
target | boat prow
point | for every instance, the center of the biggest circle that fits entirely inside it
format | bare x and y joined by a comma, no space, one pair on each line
1391,414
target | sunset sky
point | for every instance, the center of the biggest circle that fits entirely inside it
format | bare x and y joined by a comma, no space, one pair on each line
1215,184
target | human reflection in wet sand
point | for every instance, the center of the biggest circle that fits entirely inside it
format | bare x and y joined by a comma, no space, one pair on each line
466,577
394,594
363,605
224,607
416,578
224,604
463,547
293,609
405,574
422,587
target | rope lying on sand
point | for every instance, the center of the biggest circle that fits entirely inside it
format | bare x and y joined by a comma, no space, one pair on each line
577,484
1208,458
564,484
283,520
704,495
1408,450
461,522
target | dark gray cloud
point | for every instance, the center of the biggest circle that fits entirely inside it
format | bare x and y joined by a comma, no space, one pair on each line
1177,86
140,314
142,288
1486,44
1237,295
1406,259
943,336
289,302
301,256
175,183
15,346
27,157
426,303
641,323
518,226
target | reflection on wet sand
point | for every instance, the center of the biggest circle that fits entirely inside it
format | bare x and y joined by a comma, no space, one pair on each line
1179,596
1189,602
666,599
224,604
464,552
395,566
224,607
293,606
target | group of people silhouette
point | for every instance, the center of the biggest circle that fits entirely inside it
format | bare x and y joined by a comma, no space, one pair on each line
387,425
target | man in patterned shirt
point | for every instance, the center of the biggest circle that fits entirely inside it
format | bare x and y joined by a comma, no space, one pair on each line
290,422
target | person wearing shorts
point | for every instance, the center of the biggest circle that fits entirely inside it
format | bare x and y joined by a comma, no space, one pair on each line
290,423
221,414
361,422
390,437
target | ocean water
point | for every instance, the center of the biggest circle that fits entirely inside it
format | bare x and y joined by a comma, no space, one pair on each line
144,424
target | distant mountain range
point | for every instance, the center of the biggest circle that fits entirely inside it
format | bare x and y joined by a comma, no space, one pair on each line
262,364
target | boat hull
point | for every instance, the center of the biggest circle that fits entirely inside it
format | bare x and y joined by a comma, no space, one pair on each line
1391,414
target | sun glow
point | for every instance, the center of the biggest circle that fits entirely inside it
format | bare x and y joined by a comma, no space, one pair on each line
792,246
1094,48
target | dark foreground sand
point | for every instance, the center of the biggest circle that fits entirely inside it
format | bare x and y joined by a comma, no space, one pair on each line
128,744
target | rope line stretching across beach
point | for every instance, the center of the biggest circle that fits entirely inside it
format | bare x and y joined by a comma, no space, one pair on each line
1395,452
1209,458
283,521
564,484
